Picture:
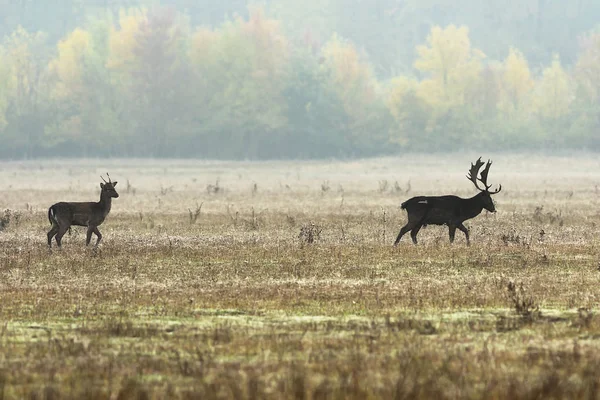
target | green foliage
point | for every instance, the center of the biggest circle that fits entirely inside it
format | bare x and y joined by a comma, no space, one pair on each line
25,88
241,70
316,115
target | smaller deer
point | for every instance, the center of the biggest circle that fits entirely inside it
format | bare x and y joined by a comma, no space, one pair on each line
91,214
449,210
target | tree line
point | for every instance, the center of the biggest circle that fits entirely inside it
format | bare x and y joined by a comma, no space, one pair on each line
148,82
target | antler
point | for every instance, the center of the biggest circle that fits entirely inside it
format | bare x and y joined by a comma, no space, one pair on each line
109,181
474,171
484,176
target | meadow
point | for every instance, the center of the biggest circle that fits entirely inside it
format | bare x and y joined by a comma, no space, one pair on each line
278,280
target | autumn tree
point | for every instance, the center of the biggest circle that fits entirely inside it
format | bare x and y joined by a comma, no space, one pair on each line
553,93
82,96
146,63
68,89
351,77
158,76
517,83
241,68
410,113
587,67
4,88
25,57
450,68
587,90
317,119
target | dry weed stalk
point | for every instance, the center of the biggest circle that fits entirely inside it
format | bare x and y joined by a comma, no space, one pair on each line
310,233
196,213
523,304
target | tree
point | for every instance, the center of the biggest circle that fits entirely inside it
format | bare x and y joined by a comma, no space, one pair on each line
4,88
242,67
25,57
450,66
68,90
409,113
452,71
123,39
316,117
157,79
147,61
553,93
517,83
553,96
83,99
587,69
587,99
352,79
351,76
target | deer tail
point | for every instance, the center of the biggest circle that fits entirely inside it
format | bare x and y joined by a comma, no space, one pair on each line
424,203
51,215
412,201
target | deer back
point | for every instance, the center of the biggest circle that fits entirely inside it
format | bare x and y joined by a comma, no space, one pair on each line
85,213
441,210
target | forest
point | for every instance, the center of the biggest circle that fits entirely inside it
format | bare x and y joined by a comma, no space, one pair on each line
286,79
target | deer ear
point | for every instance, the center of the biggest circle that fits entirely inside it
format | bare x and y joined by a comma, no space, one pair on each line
101,185
114,183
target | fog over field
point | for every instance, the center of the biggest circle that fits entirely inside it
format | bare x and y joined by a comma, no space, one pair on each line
288,79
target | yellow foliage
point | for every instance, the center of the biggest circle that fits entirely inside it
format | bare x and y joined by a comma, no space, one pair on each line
270,44
352,77
553,92
257,45
436,94
588,67
400,88
123,41
345,63
243,63
516,82
202,43
452,65
68,66
24,71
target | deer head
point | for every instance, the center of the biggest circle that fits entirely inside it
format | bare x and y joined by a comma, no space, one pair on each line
108,188
486,194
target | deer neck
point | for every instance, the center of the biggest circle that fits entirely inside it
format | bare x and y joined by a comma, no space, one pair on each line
105,202
474,206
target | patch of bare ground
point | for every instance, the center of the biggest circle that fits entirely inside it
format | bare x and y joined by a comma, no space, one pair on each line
278,280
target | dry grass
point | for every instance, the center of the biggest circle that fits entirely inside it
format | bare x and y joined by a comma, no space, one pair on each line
217,293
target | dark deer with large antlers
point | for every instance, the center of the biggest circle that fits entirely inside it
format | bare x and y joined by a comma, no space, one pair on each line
91,214
449,210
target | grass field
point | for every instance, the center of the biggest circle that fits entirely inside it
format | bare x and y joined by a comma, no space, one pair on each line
206,285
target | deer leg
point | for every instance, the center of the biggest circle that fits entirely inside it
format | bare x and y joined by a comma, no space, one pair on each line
98,235
53,231
88,236
452,232
60,234
404,229
466,232
413,233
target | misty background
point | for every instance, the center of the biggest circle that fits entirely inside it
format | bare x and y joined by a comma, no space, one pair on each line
234,79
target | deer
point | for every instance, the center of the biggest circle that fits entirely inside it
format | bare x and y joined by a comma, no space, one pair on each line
91,214
450,210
